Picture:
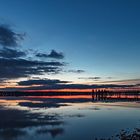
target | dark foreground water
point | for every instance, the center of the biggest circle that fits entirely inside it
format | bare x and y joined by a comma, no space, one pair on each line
65,118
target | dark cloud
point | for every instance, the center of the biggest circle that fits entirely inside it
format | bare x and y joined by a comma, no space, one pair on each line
53,54
41,82
109,77
25,62
76,71
138,84
94,78
66,85
11,53
16,63
16,68
45,84
134,81
90,78
9,38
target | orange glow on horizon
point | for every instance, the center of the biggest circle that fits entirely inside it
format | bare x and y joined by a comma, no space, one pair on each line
61,90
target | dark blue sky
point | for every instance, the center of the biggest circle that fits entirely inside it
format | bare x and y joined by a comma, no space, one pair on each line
101,37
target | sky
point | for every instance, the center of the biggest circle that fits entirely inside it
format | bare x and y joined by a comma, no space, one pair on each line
52,44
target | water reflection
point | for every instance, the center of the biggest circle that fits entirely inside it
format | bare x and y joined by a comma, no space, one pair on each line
53,131
63,118
11,134
41,105
16,123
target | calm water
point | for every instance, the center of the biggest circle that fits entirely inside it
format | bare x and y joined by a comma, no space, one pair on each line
64,118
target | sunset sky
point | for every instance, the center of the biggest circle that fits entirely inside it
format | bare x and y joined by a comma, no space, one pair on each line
69,44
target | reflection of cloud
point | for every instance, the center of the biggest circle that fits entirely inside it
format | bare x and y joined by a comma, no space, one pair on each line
19,119
76,115
54,131
41,105
16,123
94,108
53,54
9,134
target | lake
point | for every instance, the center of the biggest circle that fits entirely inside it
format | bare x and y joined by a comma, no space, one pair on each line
65,118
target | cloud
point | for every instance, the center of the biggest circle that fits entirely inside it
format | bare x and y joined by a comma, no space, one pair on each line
18,63
47,84
57,86
128,81
16,68
90,78
53,54
9,38
109,77
76,71
11,53
41,82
